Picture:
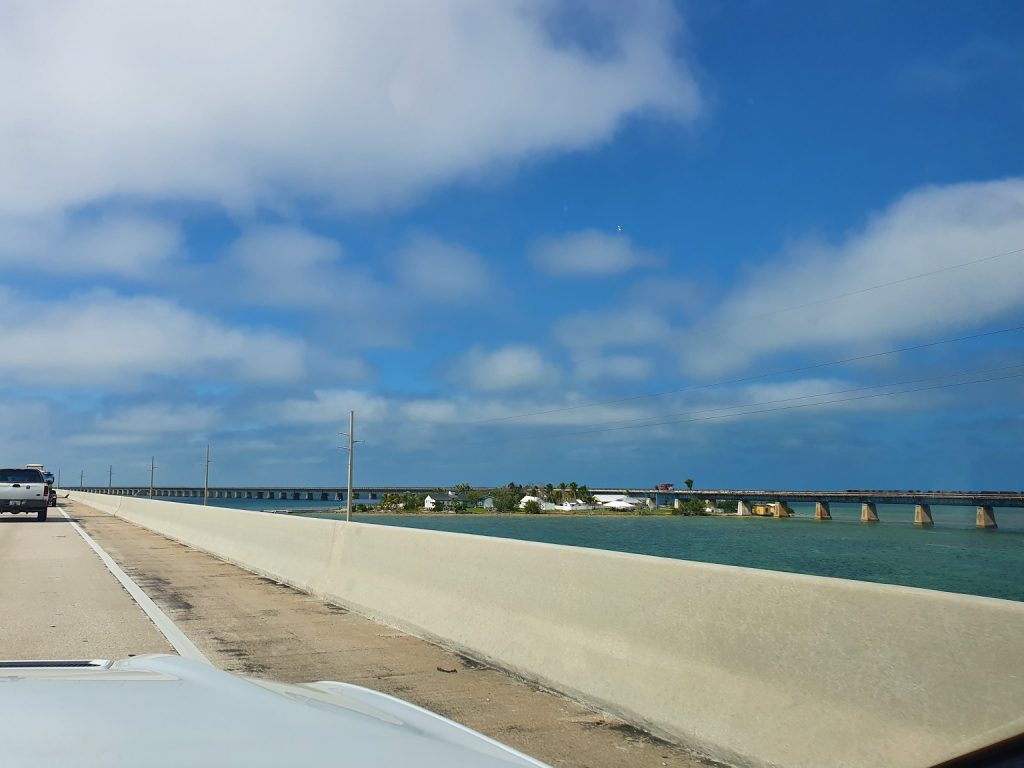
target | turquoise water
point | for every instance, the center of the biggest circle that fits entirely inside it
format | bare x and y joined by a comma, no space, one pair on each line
952,556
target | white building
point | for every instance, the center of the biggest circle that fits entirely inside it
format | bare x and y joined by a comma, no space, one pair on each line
618,501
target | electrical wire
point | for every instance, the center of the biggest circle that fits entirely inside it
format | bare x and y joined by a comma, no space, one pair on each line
855,292
744,379
859,291
773,410
640,422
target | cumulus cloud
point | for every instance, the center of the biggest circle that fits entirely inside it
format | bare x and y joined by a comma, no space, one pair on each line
332,406
509,367
595,367
144,424
397,420
244,103
23,420
112,341
286,266
588,254
158,418
595,330
980,60
444,272
928,229
125,245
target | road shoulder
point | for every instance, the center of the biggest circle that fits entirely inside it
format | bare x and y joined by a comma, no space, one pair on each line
251,625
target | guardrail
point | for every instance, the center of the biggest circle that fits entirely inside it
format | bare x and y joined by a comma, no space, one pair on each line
752,667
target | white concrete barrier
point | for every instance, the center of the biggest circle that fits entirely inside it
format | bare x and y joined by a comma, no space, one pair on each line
752,667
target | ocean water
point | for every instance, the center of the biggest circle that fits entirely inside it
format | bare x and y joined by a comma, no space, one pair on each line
951,556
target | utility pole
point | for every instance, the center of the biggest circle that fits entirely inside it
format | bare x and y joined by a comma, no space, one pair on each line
152,468
58,477
351,457
206,484
351,434
110,477
81,480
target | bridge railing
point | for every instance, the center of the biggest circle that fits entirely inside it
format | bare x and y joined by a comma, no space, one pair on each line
753,667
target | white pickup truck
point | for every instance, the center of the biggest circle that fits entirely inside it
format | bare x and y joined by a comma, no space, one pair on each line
24,491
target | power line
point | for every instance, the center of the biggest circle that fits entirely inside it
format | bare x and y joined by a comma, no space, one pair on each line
847,294
743,379
859,291
640,421
781,408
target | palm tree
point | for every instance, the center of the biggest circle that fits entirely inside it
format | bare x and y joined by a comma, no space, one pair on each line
689,484
549,492
585,495
561,491
572,490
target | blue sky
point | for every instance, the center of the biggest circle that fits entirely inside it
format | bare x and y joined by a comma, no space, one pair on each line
523,241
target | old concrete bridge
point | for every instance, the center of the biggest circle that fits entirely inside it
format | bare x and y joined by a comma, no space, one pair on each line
986,502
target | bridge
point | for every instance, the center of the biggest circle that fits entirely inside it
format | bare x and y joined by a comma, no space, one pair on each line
986,502
578,657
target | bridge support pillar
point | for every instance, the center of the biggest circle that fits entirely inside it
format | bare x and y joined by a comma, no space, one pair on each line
868,512
743,508
986,517
678,503
923,515
781,509
822,511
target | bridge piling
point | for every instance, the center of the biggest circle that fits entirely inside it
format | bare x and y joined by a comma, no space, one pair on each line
986,517
781,509
923,515
822,511
743,508
868,512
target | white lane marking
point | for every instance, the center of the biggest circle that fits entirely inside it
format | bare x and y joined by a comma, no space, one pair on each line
168,628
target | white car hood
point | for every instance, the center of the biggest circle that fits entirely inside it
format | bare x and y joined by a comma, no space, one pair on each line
169,711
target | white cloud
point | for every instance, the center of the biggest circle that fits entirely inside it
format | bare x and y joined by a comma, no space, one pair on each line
331,406
159,418
928,229
510,367
595,330
444,272
126,245
674,294
144,425
22,420
589,253
593,367
285,266
107,340
981,60
244,102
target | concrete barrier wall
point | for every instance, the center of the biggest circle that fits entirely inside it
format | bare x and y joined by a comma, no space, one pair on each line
753,667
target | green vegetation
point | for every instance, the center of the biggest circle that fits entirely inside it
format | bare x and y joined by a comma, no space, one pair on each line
402,502
691,508
507,499
532,507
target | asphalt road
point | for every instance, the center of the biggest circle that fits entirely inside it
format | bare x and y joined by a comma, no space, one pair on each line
59,600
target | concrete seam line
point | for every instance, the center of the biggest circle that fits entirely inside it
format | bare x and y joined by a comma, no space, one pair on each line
178,640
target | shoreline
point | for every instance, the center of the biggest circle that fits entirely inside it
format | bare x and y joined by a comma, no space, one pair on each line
431,513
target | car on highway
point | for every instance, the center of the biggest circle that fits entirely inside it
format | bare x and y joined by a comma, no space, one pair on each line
24,490
48,477
162,710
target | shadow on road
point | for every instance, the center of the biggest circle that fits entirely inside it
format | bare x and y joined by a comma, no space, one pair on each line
52,517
